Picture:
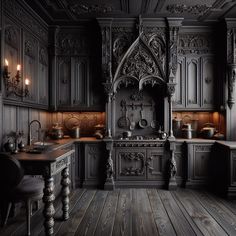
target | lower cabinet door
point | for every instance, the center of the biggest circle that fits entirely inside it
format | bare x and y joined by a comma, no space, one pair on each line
94,164
130,164
155,164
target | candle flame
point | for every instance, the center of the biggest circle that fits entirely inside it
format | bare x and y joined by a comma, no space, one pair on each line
27,81
18,67
6,62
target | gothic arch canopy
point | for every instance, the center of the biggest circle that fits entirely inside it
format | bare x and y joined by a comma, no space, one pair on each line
141,64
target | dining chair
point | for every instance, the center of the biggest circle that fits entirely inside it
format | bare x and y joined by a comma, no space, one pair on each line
17,187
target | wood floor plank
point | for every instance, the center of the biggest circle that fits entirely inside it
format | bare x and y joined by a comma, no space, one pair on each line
142,218
200,216
218,211
89,222
106,220
181,225
161,218
70,226
123,218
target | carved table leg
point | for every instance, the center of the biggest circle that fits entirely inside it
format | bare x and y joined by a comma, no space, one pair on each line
65,191
49,210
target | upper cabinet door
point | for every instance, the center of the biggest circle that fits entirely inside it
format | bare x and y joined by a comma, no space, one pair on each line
207,76
193,83
12,53
80,81
64,81
179,101
30,64
43,75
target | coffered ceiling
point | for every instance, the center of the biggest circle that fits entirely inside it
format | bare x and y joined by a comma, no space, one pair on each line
73,10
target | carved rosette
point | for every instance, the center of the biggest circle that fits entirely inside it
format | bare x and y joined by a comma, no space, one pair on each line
231,84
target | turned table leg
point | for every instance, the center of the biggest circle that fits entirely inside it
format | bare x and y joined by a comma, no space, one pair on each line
65,191
49,210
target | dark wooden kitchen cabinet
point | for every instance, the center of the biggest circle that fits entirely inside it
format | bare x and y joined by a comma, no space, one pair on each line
73,82
78,78
181,163
195,84
139,166
224,169
199,164
196,70
91,158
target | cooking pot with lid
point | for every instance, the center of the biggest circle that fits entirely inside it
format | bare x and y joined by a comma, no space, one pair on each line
208,130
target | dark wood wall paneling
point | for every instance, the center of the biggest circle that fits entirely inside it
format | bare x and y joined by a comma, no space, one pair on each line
24,41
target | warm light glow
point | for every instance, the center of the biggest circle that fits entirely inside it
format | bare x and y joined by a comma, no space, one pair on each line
27,81
18,67
6,62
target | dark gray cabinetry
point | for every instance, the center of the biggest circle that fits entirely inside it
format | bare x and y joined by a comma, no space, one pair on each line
73,82
196,77
224,169
139,166
91,164
78,80
199,158
181,163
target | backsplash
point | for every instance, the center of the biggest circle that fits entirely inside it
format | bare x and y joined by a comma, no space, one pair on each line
85,120
216,118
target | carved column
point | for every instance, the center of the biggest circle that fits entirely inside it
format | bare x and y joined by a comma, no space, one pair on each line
231,84
48,199
231,60
172,168
65,191
109,183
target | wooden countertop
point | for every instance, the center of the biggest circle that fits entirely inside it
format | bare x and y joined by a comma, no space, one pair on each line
49,156
229,144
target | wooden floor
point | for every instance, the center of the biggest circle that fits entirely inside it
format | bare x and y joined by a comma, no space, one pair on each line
137,212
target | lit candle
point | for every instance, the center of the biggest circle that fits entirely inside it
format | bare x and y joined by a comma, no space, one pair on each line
27,81
6,68
6,62
18,67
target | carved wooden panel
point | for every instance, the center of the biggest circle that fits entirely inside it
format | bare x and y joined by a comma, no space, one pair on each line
193,83
92,160
30,66
201,161
64,81
155,164
12,48
130,164
79,82
207,75
178,99
43,75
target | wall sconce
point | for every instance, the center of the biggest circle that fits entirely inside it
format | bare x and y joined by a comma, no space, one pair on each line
13,84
